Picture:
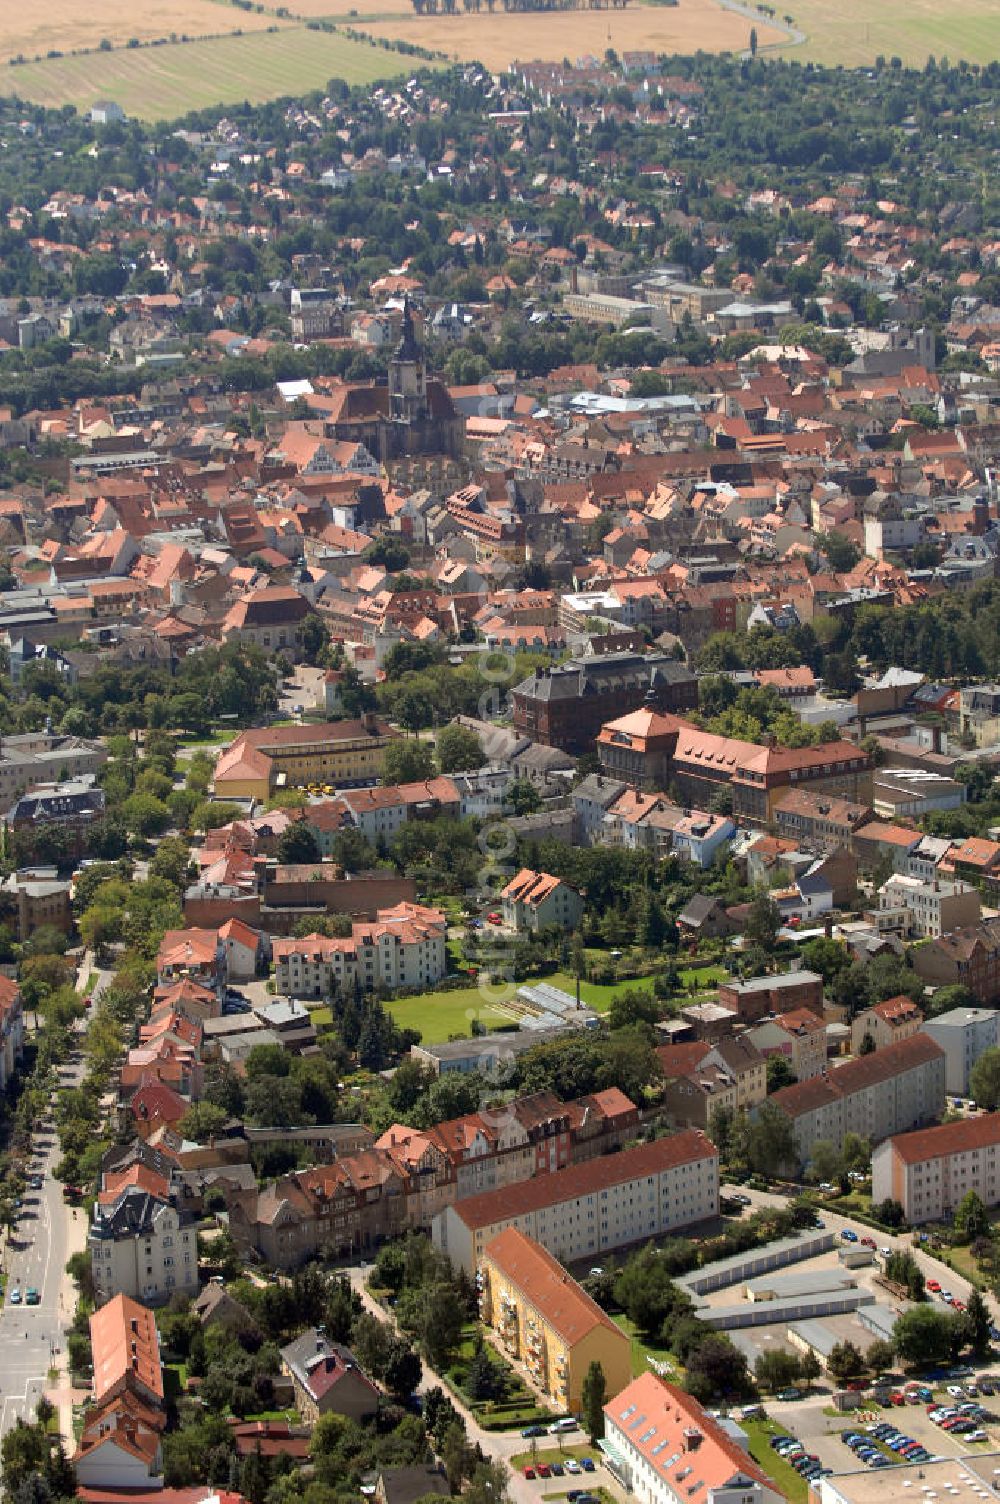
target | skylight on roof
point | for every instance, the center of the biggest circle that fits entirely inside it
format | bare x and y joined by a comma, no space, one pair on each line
626,1413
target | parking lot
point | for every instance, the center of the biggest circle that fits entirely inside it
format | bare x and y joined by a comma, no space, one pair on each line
821,1434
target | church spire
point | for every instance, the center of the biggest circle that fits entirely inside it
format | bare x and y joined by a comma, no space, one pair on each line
407,349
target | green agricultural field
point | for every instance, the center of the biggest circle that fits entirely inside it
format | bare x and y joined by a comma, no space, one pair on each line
161,83
853,33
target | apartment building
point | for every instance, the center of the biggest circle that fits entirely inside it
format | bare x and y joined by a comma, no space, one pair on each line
667,1449
126,1352
345,754
143,1247
40,757
886,1023
536,901
404,947
589,1209
963,1034
929,1172
892,1091
410,1175
819,822
543,1318
928,909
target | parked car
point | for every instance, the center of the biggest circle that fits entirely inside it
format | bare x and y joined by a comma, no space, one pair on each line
32,1297
533,1431
529,1472
543,1470
587,1463
849,1235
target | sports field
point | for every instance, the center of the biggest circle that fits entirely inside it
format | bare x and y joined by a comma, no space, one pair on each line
32,30
855,32
160,83
503,38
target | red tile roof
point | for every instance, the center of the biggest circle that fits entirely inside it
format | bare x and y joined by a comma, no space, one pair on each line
544,1282
950,1138
580,1180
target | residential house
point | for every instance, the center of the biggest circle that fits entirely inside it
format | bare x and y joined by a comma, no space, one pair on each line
885,1023
11,1030
798,1036
968,957
327,1378
536,900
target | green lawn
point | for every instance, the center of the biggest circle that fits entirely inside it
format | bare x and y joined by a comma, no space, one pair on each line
642,1350
161,83
439,1015
544,1452
759,1433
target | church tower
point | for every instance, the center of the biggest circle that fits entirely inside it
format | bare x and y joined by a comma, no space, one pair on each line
408,375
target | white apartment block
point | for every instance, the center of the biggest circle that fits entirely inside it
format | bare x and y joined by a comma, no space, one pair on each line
930,1172
875,1096
588,1209
929,909
142,1247
404,947
963,1034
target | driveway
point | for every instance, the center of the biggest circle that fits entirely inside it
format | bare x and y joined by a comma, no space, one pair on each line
500,1446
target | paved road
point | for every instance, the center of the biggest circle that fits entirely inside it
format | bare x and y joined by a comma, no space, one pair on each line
36,1257
31,1337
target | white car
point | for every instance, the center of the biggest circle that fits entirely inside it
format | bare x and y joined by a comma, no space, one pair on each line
956,1391
886,1253
572,1466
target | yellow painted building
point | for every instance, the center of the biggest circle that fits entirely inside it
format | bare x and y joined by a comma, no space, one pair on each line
345,754
545,1320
